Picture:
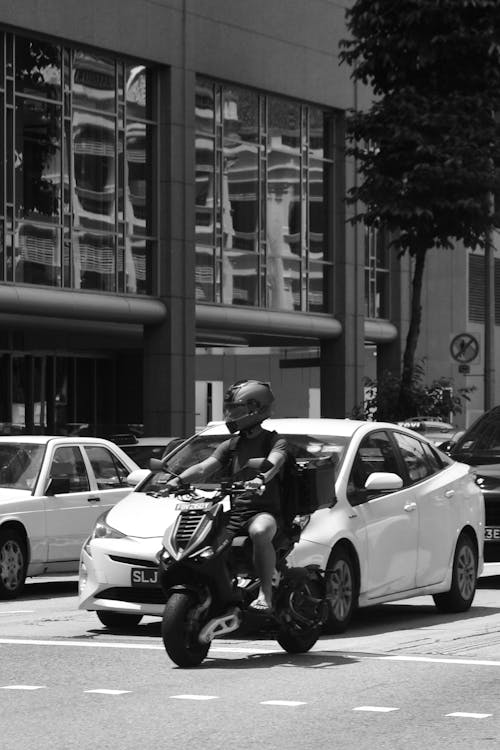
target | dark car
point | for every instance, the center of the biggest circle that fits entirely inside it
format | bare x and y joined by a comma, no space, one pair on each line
143,449
479,446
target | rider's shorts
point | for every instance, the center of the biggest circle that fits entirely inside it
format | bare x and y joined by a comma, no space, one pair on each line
241,518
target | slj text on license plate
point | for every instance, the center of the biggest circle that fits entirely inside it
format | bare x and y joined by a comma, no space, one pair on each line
144,577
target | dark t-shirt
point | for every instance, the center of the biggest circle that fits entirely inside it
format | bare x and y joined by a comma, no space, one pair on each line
259,446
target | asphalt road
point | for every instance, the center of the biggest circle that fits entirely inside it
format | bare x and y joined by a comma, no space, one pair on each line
403,676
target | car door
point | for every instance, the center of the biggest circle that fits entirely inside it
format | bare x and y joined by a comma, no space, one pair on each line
110,475
70,515
434,491
386,522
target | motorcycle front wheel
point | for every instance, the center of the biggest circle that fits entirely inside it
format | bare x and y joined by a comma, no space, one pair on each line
294,635
180,630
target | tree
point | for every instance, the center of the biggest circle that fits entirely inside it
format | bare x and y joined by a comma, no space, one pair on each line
429,146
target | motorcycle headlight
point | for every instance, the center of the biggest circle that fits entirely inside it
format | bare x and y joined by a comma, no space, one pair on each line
103,530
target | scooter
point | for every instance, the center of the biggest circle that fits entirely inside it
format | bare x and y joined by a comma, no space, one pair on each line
209,582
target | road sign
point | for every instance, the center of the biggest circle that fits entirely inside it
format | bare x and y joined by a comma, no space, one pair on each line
464,347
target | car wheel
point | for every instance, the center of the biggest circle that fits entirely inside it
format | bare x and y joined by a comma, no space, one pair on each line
464,578
118,619
341,591
13,564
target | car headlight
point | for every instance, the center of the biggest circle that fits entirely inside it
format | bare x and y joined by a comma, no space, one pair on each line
103,530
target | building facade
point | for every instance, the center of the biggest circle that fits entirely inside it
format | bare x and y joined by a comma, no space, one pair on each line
173,216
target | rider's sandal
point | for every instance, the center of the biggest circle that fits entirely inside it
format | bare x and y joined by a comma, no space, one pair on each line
260,606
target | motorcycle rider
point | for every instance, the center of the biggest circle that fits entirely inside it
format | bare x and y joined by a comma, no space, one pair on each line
247,404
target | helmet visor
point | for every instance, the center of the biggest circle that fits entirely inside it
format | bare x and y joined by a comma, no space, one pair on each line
235,411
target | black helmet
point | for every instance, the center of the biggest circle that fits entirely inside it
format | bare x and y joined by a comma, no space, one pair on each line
247,403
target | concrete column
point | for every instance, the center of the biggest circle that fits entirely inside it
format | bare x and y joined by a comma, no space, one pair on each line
342,359
169,348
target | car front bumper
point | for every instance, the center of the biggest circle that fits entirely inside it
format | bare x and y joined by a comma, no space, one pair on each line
107,582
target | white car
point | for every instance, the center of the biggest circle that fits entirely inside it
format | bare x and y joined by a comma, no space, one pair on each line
403,520
52,490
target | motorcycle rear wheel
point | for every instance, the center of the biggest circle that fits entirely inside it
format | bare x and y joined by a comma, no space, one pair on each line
294,637
180,632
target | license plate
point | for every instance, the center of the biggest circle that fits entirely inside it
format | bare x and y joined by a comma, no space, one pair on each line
193,506
492,533
144,577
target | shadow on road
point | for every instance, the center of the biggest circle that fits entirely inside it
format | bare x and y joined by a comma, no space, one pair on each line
35,589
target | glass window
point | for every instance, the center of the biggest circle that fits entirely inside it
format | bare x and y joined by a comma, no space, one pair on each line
376,274
263,167
414,456
109,472
94,82
38,68
38,160
375,453
68,462
37,254
76,160
94,258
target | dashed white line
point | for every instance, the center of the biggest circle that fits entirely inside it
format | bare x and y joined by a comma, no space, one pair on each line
103,691
283,703
23,687
380,709
195,697
464,715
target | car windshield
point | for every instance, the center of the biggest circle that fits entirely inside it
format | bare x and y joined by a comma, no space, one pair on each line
304,447
20,464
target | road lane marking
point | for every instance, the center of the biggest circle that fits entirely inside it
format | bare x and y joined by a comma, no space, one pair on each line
283,703
23,687
442,660
464,715
195,697
381,709
103,691
18,612
263,651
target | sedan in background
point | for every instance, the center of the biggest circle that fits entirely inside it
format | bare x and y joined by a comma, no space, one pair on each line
479,446
435,430
143,449
52,490
402,520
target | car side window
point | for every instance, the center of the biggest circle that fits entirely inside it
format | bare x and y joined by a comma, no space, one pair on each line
68,462
109,472
414,455
375,453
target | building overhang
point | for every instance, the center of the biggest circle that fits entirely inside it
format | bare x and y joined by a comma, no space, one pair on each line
74,310
83,305
239,326
258,327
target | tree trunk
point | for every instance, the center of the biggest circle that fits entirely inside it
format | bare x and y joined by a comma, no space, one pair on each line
405,403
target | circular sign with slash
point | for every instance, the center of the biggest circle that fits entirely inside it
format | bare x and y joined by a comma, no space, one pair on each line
464,347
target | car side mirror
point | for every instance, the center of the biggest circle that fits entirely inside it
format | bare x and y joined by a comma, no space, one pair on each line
155,464
383,481
58,486
137,476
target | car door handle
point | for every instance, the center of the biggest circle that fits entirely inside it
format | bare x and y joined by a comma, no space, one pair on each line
93,499
410,506
449,493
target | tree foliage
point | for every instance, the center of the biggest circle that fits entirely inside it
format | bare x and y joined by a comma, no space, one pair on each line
436,401
428,149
